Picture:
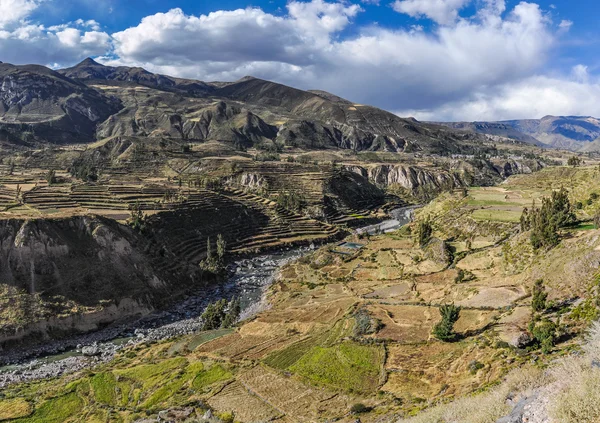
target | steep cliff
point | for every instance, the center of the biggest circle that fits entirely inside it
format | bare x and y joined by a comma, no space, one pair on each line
79,272
451,175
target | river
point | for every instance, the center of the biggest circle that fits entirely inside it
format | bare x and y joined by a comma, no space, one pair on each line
249,280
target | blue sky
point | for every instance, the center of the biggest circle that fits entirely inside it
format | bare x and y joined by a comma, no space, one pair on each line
433,59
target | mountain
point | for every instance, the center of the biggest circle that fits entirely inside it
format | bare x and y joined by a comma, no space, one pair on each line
576,133
38,104
90,101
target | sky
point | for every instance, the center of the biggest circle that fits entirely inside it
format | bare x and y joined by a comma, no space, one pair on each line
440,60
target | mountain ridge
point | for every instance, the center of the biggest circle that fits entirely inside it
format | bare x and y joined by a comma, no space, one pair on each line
576,133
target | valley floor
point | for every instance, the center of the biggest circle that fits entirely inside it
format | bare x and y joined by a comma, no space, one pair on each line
348,331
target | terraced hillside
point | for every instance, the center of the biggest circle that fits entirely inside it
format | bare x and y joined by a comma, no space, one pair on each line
357,328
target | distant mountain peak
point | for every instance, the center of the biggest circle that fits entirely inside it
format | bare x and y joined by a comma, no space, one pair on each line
247,78
88,62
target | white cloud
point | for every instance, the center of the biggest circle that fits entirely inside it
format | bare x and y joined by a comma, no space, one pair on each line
444,12
22,41
13,11
532,97
484,66
395,69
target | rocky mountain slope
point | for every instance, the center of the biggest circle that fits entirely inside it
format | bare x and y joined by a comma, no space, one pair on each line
91,101
576,133
37,104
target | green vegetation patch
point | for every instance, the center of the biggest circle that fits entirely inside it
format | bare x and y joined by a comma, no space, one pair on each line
204,337
214,374
104,387
150,375
14,408
56,410
497,215
348,366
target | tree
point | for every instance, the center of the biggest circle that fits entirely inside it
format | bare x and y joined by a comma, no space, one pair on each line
555,212
137,218
424,232
19,194
233,313
574,161
213,315
538,301
525,220
545,334
221,314
51,177
444,330
221,247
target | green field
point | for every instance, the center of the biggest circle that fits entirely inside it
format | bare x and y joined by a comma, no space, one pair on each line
348,366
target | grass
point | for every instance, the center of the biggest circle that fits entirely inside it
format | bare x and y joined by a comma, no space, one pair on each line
348,366
497,215
56,410
584,226
150,375
104,387
204,337
14,408
216,373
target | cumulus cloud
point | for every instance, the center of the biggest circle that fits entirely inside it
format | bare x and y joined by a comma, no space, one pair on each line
12,11
443,12
531,97
22,41
487,65
396,69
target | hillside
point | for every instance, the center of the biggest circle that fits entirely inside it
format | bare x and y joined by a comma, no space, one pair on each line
348,333
117,101
576,133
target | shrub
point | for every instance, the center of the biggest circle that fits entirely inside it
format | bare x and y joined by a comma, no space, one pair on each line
424,232
359,408
538,302
365,324
545,334
444,330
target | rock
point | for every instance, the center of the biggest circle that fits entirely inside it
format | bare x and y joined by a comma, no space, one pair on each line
516,415
208,415
90,350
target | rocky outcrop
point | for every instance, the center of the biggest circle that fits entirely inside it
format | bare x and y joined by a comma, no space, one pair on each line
408,177
252,180
463,173
219,121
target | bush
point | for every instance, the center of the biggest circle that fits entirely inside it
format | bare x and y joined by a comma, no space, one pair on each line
365,324
359,408
545,334
538,302
424,232
291,200
444,330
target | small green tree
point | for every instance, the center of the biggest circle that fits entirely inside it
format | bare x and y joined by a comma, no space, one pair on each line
545,334
424,232
574,161
538,301
213,315
51,177
233,313
444,330
221,248
137,218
